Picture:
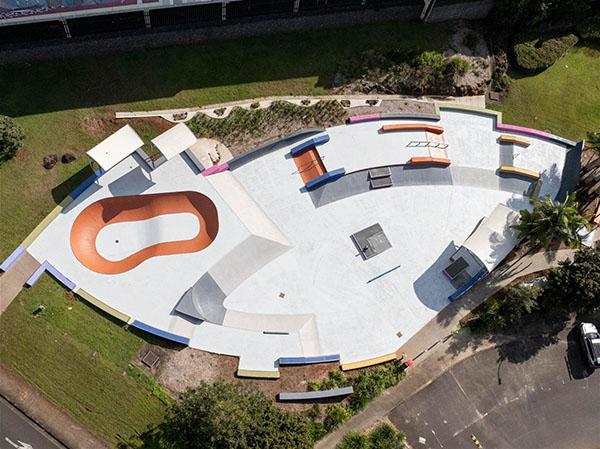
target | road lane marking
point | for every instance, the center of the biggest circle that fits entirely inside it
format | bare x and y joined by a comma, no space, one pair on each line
21,445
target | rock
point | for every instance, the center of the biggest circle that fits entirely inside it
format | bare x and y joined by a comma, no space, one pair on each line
67,158
50,161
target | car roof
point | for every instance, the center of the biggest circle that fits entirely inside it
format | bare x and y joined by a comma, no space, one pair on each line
588,327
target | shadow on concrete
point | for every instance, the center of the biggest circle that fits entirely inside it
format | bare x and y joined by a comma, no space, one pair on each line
132,183
428,286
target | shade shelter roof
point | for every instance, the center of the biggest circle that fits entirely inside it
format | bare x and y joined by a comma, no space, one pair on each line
115,148
494,238
174,141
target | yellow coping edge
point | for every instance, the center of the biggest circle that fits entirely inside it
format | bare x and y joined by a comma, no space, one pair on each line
46,221
514,139
369,362
258,374
519,171
462,107
89,298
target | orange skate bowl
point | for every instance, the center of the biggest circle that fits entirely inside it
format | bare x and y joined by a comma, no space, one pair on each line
121,209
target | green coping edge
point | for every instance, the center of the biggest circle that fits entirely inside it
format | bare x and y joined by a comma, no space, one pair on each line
258,374
46,221
89,298
467,108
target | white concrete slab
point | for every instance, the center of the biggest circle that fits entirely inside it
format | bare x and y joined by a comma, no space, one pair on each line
309,279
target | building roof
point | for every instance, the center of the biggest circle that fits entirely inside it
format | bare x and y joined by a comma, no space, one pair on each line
494,238
115,148
174,141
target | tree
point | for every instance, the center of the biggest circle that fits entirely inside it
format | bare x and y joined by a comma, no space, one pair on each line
232,416
549,219
575,285
11,137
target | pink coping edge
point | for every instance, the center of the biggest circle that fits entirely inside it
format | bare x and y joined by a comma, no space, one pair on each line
215,169
363,118
523,130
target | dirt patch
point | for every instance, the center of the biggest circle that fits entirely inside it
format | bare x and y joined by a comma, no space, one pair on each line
465,68
100,124
177,370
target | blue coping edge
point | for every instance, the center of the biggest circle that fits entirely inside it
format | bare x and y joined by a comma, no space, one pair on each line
325,178
158,332
309,360
85,184
468,285
320,140
12,258
46,266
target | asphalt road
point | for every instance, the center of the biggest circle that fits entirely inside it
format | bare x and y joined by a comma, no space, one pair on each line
18,432
509,399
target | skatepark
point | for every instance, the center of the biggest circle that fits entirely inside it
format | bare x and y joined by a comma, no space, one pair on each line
332,244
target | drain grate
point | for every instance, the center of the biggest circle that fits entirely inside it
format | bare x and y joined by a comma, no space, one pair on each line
150,359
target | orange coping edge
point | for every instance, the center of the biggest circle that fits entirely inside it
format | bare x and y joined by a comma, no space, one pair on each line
369,362
429,161
519,171
436,129
121,209
309,164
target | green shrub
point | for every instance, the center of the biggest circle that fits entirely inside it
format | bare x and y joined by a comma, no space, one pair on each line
386,437
457,67
519,301
354,440
383,437
11,137
317,430
432,59
539,54
336,416
234,416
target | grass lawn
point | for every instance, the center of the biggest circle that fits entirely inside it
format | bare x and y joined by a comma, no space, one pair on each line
80,358
564,98
58,102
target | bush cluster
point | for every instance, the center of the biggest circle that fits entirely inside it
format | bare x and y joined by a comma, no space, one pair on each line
383,437
501,80
397,72
574,286
254,121
368,384
11,137
232,416
540,53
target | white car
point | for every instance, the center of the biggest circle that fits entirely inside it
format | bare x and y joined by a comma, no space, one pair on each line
590,340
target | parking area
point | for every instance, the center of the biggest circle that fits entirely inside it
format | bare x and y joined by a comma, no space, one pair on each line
531,393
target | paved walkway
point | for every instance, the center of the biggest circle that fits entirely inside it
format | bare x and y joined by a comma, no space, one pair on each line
61,426
12,281
432,349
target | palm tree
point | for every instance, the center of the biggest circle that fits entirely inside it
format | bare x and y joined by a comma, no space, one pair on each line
549,219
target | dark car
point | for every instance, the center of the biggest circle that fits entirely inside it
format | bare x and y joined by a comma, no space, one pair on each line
590,340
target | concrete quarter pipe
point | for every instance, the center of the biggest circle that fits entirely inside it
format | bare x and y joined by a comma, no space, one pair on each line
122,209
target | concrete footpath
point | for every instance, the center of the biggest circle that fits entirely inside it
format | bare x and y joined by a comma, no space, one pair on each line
433,348
51,418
